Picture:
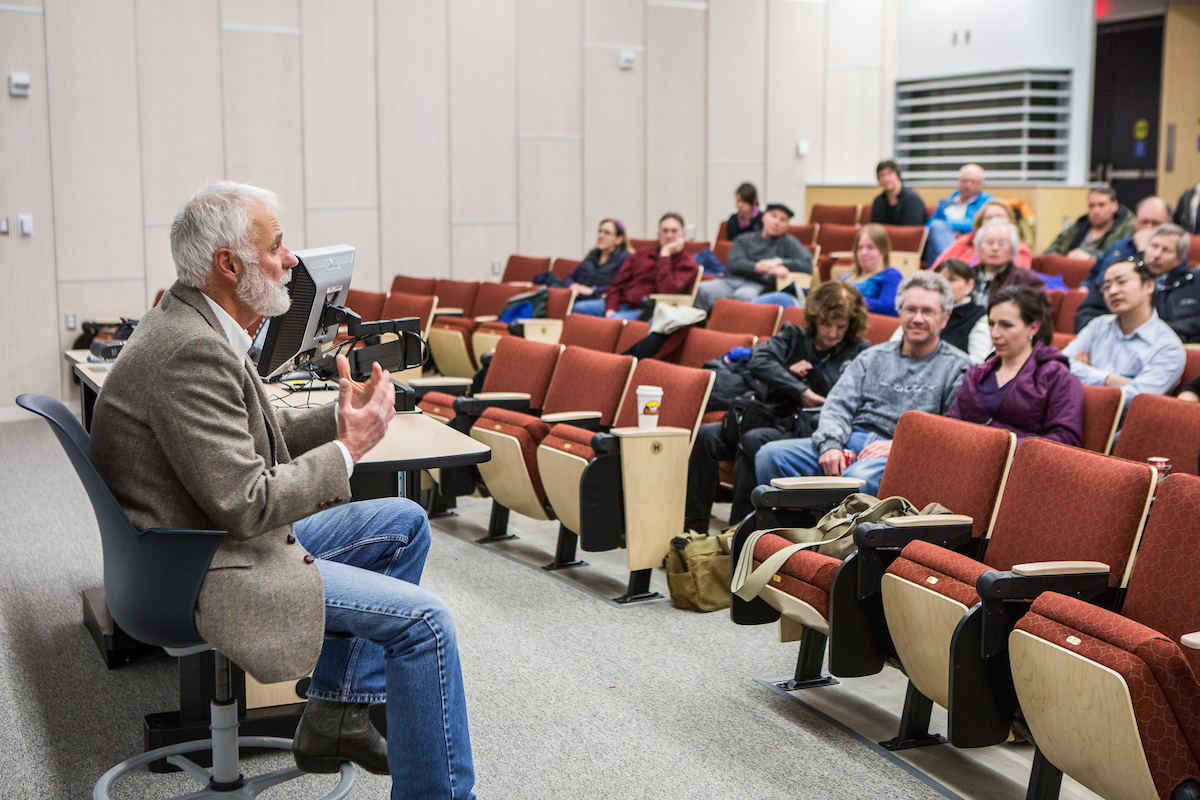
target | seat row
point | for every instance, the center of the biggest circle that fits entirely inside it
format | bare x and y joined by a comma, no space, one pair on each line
1010,614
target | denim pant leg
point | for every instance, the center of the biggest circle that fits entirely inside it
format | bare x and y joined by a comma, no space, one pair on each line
870,470
785,299
627,312
941,236
389,536
593,307
428,742
800,457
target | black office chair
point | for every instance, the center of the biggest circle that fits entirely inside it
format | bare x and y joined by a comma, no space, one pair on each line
151,581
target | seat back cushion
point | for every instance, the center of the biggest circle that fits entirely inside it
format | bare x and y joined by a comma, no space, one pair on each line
457,294
594,333
738,316
520,365
588,380
685,391
528,430
1157,425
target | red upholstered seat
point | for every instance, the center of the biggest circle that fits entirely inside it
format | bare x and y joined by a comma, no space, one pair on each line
1056,300
837,214
738,316
702,345
594,333
1072,270
1064,316
695,247
519,365
880,328
571,439
807,575
794,315
367,305
1101,405
805,234
439,404
410,285
523,268
562,267
905,238
527,430
399,304
634,331
588,380
492,297
721,250
1191,366
1156,425
457,294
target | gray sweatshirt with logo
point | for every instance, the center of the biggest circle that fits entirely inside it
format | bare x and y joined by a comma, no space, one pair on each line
881,384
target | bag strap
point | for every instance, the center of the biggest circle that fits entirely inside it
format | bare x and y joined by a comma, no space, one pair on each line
747,582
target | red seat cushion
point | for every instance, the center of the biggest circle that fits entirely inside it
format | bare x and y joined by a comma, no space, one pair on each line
493,327
570,439
528,430
438,403
939,570
806,575
1164,690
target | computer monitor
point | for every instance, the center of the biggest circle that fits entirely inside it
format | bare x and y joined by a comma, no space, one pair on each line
321,279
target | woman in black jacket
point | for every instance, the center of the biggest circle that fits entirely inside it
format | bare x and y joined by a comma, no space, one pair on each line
798,366
596,271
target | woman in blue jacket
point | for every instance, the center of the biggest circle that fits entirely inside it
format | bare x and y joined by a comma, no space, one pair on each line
871,275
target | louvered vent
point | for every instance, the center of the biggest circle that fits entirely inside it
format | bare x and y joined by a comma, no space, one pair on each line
1015,124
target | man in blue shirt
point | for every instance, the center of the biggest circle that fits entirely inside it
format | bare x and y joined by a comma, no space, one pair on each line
956,214
1131,347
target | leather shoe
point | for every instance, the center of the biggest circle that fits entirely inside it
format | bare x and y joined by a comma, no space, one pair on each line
331,733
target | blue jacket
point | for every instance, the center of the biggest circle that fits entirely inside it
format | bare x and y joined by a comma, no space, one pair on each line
879,290
972,208
1122,250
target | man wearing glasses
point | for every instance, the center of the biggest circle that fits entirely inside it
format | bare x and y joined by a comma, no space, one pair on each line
920,372
1131,347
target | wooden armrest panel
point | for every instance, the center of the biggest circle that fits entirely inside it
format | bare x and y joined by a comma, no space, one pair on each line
672,299
1191,640
440,381
502,396
567,416
817,482
447,311
662,430
922,520
487,318
1060,568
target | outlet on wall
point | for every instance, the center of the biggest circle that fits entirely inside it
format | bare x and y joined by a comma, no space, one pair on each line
71,322
495,267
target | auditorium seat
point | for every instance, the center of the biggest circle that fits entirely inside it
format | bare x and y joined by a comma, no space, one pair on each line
1061,340
1072,270
626,488
836,214
594,333
539,329
950,615
524,268
739,316
792,314
695,247
1064,317
410,285
817,596
721,251
450,337
1102,406
1164,427
907,243
399,305
368,305
836,241
701,345
562,267
1112,699
634,331
805,234
880,328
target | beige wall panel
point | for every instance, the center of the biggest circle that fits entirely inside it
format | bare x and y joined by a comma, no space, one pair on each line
95,300
340,164
614,152
94,139
29,303
853,124
267,13
854,32
357,228
477,246
1180,100
550,67
795,84
736,103
262,119
614,22
160,266
676,95
414,176
483,117
891,43
551,207
723,180
179,94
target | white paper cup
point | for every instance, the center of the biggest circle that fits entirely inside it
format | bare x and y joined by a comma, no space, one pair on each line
649,398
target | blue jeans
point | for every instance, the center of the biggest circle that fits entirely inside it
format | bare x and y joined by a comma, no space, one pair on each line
791,457
404,649
941,236
785,299
593,306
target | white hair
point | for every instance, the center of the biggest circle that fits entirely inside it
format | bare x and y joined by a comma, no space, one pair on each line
1182,244
971,168
1013,239
215,217
930,281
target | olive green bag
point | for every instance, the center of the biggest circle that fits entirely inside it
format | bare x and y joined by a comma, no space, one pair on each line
698,572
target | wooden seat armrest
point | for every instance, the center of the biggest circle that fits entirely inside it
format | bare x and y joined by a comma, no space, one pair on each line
446,385
662,430
447,311
818,482
1191,640
476,405
502,396
672,299
1060,568
840,254
487,318
927,520
570,416
802,280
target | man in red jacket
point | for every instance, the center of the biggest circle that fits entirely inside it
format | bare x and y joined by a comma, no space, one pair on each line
663,269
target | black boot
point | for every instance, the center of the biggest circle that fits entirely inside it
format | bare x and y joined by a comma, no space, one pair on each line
331,733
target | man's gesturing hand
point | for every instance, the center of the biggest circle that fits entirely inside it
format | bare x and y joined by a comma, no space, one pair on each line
364,409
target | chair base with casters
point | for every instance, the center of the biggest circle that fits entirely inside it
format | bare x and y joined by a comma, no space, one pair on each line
225,778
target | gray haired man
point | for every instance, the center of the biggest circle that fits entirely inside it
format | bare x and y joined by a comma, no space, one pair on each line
920,372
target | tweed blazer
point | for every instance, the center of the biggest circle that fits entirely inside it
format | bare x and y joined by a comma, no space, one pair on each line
185,437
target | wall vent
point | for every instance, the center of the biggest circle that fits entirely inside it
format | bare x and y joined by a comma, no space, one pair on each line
1016,124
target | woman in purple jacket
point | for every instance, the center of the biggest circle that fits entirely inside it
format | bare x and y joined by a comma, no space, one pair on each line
1027,386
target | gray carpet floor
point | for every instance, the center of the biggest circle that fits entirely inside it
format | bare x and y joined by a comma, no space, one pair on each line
569,696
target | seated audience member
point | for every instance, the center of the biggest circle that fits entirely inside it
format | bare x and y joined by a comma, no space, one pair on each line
968,326
1187,210
747,218
798,366
1151,212
1105,222
593,275
1177,292
871,275
964,246
185,438
920,372
757,259
954,214
896,204
1131,347
662,268
997,242
1027,386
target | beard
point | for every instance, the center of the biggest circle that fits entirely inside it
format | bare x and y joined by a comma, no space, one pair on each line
261,294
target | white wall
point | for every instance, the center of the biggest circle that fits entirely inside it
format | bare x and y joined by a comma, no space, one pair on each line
933,41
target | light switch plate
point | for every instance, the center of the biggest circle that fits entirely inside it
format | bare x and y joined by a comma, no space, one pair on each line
25,224
4,226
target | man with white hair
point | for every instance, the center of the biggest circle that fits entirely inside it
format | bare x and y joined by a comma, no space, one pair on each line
920,372
184,435
955,214
996,243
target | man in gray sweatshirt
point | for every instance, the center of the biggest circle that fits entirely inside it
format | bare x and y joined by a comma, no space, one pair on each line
756,259
920,372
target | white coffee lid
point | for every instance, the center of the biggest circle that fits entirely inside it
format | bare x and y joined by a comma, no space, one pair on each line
654,390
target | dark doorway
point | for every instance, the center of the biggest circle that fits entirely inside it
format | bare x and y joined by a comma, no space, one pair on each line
1125,101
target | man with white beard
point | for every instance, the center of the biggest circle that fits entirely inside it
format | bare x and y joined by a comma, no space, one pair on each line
184,435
